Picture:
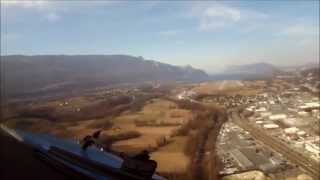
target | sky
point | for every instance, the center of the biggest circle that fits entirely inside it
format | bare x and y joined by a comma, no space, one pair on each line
210,35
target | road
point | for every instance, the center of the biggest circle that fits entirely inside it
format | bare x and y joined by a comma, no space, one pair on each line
306,163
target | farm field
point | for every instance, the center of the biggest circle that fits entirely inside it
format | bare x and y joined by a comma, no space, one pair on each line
156,122
171,157
129,123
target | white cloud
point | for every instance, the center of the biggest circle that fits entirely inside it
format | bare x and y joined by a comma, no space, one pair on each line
54,4
25,3
218,16
46,9
222,12
52,17
212,16
51,10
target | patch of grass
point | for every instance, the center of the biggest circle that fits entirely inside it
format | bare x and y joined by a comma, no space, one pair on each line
171,157
107,140
100,124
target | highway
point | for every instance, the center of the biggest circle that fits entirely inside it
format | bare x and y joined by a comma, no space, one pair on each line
311,166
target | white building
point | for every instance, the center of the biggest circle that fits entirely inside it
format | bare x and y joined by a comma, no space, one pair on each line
277,117
186,94
271,102
311,105
263,102
270,126
303,113
291,130
290,121
265,114
259,122
301,133
261,109
251,108
313,148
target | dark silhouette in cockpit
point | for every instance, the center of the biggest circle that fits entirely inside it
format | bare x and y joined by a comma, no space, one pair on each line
143,156
96,134
90,140
140,165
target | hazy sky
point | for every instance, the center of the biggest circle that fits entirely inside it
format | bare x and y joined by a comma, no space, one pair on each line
207,35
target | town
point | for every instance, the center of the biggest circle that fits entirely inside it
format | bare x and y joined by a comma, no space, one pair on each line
275,131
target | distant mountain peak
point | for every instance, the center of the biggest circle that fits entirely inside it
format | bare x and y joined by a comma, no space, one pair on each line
260,70
260,67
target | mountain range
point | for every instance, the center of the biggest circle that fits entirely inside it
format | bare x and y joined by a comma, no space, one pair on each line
33,75
25,74
255,68
247,72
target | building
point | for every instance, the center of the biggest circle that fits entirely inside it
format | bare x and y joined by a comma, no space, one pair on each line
303,113
270,126
265,114
186,94
301,133
311,105
291,130
313,148
259,122
277,117
290,121
261,109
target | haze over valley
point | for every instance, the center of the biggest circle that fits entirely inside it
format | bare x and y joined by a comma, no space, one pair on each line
177,90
